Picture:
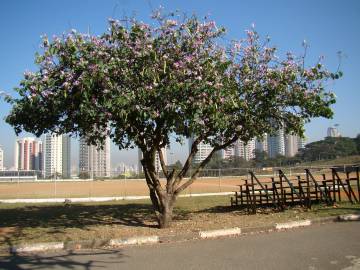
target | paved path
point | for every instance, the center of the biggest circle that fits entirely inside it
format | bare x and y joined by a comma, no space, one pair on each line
330,246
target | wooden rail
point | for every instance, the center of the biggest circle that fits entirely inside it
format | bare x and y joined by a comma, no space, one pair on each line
285,191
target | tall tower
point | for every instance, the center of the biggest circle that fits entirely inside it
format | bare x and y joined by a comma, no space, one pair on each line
28,154
94,160
1,159
333,132
276,144
291,145
250,149
203,150
245,150
57,150
301,142
228,152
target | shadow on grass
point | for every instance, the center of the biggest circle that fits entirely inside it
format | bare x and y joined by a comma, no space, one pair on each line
64,260
346,209
55,219
78,216
241,210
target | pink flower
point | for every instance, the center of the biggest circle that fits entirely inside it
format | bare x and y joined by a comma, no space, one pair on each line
188,58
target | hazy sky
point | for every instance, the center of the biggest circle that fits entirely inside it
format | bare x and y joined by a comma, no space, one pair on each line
328,27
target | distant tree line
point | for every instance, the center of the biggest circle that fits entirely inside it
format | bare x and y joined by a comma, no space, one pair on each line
328,148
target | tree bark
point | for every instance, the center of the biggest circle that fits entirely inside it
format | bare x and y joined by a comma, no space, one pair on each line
166,215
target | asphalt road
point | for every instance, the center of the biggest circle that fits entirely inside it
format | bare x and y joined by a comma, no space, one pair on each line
330,246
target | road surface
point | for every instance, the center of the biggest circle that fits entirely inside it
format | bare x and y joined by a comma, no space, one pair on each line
330,246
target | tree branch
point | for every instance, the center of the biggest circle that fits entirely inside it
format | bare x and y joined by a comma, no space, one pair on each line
203,163
162,163
154,199
188,162
148,165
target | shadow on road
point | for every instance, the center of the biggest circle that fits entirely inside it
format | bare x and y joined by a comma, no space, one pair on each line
66,260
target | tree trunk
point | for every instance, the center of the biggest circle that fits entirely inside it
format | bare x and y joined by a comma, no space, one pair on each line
165,218
162,199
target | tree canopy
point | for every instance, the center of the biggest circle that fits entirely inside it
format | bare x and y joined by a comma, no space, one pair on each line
142,83
329,148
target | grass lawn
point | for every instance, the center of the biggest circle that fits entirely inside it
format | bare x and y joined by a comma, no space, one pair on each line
61,222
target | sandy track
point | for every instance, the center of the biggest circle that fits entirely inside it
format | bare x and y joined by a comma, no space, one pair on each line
122,187
105,188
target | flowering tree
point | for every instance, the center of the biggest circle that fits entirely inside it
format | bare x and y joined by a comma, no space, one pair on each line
141,84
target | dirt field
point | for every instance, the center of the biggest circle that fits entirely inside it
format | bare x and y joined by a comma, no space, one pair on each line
105,188
128,187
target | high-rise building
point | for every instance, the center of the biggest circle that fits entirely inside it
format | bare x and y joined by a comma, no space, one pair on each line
301,143
262,144
333,132
245,150
28,154
203,150
157,160
291,145
94,160
57,150
1,159
158,167
276,144
228,152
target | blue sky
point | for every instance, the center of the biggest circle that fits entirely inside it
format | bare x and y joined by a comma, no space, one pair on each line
328,26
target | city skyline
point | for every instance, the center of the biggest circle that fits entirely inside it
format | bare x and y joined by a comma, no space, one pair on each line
284,144
338,23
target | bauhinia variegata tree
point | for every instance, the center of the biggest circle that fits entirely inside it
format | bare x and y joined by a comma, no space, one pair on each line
141,84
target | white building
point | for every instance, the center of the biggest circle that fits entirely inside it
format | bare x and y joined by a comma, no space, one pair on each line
28,154
158,167
1,159
301,143
157,160
57,150
276,144
94,160
291,145
203,150
333,132
245,150
228,152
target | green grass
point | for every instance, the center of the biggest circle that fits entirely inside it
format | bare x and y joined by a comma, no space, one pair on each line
21,223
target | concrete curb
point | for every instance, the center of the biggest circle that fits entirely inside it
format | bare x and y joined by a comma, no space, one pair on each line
134,241
96,243
293,224
37,247
351,217
218,233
